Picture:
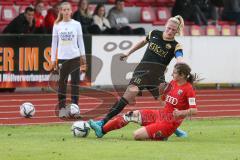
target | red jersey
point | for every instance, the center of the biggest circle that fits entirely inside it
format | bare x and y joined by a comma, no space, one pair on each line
39,20
179,97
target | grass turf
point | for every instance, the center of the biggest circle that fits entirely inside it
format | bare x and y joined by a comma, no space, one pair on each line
208,140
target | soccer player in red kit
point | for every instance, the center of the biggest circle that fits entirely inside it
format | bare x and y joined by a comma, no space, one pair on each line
180,102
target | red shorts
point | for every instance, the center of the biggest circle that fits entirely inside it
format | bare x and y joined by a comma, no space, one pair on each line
157,124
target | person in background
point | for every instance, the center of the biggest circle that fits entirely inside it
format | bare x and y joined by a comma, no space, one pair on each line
24,23
51,16
101,21
68,48
39,18
118,18
231,10
83,16
209,10
201,12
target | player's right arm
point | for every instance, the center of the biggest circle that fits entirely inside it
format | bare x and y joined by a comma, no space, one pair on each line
54,47
137,46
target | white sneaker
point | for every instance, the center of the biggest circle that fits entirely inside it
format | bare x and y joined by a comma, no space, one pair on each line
63,113
68,112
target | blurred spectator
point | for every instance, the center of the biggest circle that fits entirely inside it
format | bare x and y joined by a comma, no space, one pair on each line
39,18
209,10
101,21
217,3
198,11
83,16
182,7
51,16
231,10
24,23
118,19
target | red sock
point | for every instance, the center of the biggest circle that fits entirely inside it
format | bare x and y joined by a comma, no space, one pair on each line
114,124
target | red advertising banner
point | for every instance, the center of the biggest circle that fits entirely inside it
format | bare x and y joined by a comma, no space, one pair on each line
25,61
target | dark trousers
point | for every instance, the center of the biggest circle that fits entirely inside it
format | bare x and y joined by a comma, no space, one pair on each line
127,30
72,67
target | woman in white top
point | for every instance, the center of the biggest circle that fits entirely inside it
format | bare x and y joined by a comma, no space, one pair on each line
67,52
101,21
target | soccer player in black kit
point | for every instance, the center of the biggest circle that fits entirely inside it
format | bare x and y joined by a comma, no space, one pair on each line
162,48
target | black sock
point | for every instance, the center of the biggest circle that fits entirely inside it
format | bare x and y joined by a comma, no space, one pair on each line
116,109
75,100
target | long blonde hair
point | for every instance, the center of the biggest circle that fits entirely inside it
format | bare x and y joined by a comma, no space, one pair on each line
60,15
179,20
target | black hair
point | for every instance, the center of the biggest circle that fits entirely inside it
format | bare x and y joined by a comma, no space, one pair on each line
116,1
184,69
97,8
29,9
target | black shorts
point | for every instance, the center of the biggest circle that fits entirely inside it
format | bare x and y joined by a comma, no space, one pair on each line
149,76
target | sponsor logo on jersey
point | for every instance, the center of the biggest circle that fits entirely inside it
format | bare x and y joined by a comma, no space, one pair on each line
168,46
180,92
192,101
157,49
172,100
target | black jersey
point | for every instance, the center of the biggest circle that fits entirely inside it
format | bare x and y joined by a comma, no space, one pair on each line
159,50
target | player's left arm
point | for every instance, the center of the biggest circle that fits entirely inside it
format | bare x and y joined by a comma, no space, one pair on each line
192,110
184,113
179,53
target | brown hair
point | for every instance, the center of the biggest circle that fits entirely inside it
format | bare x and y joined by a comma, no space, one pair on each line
97,8
86,11
60,16
184,69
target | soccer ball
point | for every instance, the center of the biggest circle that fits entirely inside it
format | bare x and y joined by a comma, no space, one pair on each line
80,129
27,110
74,110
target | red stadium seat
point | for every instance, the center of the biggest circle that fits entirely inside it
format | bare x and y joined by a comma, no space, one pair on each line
238,30
145,3
111,1
22,8
74,8
196,30
147,15
24,3
163,14
228,30
186,22
8,13
73,2
2,26
212,30
165,3
131,2
6,2
186,31
221,22
54,2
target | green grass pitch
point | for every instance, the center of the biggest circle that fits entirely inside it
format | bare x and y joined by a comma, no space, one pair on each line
217,139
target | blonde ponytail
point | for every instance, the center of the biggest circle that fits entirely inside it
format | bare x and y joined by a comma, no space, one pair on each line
179,20
60,15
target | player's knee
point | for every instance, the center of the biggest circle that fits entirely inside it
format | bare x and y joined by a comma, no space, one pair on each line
133,116
137,136
140,134
133,89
